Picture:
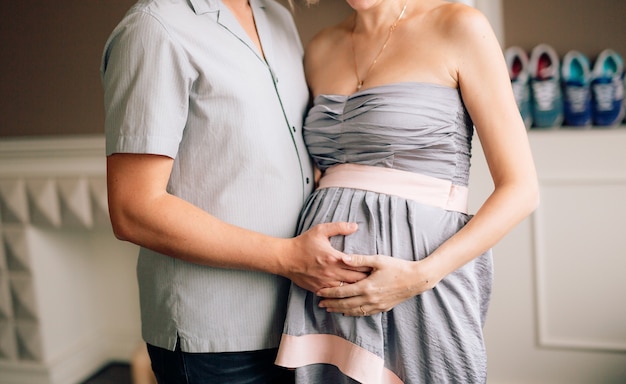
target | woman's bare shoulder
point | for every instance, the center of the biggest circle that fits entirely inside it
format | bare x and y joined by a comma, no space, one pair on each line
327,38
325,44
460,21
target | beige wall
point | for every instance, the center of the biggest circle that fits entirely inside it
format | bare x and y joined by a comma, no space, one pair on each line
585,25
312,19
50,56
49,62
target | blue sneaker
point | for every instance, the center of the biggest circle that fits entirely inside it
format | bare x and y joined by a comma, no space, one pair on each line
624,98
546,87
624,103
607,87
576,79
517,63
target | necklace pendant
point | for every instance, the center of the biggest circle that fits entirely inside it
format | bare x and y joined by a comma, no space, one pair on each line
392,28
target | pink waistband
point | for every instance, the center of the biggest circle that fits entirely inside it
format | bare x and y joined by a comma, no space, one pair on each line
413,186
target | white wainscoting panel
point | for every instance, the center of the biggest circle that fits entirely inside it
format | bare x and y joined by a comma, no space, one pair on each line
580,264
68,295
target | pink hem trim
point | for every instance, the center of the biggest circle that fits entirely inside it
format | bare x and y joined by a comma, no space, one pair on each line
413,186
354,361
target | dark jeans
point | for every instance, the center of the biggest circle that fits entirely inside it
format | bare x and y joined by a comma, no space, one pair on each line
254,367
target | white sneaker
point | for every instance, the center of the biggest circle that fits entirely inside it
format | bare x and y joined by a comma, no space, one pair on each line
517,64
607,87
545,84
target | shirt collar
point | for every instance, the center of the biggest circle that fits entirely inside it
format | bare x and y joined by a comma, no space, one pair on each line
206,6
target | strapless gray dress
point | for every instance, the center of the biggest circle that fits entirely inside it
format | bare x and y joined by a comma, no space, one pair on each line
435,337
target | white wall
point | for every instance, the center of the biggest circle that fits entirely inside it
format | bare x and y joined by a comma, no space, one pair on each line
558,312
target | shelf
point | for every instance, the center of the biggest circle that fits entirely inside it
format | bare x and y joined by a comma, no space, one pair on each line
589,128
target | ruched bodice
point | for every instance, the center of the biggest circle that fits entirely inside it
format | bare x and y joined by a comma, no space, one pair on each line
417,127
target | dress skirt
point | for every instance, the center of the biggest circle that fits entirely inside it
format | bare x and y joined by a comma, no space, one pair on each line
435,337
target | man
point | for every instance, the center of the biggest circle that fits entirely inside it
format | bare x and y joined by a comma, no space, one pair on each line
207,172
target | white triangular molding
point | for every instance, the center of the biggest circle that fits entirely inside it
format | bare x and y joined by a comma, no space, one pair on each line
14,201
28,341
8,348
98,189
45,201
3,258
17,255
76,200
54,181
23,296
6,306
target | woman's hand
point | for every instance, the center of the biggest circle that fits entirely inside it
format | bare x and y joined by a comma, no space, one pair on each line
391,281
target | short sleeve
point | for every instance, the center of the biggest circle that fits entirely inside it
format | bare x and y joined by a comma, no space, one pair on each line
147,79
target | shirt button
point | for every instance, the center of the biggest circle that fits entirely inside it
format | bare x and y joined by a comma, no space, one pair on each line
307,180
293,128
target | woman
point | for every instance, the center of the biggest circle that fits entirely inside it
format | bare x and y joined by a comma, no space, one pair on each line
398,88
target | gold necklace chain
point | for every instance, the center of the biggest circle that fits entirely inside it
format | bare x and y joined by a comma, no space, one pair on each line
392,28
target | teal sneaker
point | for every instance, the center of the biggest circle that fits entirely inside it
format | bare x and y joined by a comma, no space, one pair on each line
576,79
517,63
547,99
607,87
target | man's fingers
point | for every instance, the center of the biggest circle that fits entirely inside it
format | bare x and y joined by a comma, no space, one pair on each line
339,228
362,262
350,276
331,292
345,290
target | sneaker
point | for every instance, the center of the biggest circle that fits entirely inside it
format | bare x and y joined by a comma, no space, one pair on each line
545,85
624,103
517,63
576,79
608,88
